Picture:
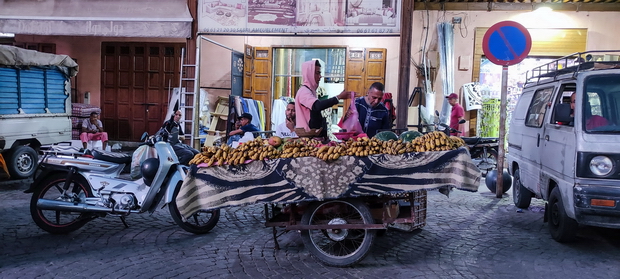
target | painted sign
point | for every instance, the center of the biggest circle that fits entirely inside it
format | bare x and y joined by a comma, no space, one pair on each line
506,43
299,16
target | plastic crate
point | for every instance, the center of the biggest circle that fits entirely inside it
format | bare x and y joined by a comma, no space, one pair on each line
75,133
419,208
83,110
76,122
419,212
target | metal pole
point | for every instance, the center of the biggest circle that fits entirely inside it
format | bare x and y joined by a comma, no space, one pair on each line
406,27
502,134
197,100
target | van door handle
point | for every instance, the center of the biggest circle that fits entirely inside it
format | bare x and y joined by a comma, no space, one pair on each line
547,137
538,140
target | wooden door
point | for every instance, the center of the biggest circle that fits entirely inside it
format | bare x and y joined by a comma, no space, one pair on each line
365,66
375,67
248,63
136,79
257,78
261,80
355,71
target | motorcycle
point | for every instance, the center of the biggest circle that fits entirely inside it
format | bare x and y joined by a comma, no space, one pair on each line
70,190
484,152
438,126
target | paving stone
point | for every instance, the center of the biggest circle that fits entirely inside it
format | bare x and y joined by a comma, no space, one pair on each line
467,235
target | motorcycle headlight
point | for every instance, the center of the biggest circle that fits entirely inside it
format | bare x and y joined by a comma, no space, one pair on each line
601,165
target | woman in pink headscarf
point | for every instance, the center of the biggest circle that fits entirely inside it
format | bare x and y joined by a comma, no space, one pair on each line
307,106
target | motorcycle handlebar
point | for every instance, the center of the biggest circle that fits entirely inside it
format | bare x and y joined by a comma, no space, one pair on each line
452,130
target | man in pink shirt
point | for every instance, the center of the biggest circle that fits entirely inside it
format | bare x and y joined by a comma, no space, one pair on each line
308,107
457,112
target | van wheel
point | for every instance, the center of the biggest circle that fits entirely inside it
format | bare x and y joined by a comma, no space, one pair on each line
22,162
561,227
521,196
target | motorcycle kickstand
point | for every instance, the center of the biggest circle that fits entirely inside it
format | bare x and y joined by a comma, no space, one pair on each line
124,221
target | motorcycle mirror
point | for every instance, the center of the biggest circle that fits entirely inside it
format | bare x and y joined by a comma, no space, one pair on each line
144,136
462,121
436,113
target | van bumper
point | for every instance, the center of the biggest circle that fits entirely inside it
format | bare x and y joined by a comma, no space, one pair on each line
597,205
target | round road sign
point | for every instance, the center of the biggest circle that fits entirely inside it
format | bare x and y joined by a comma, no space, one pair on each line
506,43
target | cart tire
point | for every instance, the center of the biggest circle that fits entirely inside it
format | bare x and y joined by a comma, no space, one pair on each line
201,222
562,228
339,248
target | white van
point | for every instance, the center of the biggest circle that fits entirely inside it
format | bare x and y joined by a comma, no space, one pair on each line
569,157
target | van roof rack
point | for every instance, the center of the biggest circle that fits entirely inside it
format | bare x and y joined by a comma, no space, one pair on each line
573,64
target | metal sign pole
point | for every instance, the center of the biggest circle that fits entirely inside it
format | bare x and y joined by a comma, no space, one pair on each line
506,43
502,134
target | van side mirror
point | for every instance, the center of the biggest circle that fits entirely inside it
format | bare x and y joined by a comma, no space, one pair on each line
562,113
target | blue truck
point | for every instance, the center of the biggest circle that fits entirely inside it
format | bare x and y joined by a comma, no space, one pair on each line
35,105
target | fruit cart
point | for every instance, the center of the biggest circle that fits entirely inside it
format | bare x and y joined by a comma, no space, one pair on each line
337,202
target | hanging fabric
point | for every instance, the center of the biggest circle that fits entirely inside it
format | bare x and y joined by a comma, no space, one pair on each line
261,113
446,66
278,112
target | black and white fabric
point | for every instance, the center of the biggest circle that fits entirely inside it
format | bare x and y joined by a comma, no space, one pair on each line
310,179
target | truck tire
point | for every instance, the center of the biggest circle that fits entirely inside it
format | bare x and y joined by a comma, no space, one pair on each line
22,162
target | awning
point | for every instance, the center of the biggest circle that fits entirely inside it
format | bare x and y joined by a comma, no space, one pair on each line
107,18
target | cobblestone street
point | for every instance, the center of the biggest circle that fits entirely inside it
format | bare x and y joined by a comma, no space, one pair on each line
468,235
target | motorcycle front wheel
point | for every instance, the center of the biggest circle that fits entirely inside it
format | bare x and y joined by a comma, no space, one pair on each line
56,221
201,222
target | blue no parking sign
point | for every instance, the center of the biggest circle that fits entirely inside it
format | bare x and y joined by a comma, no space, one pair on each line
506,43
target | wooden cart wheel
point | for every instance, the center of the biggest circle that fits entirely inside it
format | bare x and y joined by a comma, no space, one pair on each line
338,247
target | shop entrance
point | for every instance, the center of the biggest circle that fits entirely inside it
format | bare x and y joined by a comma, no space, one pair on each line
136,81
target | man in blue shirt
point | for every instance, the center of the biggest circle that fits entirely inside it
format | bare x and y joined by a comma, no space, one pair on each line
372,113
246,126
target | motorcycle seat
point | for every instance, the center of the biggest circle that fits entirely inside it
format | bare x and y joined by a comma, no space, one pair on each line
114,157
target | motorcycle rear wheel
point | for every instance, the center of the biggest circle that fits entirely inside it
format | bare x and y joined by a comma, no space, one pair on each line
201,222
60,222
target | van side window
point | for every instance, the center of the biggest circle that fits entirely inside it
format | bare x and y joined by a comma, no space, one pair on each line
538,107
564,97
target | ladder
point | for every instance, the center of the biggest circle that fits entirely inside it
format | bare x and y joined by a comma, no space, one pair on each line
189,90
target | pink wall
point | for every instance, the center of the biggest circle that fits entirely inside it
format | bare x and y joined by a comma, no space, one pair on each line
87,52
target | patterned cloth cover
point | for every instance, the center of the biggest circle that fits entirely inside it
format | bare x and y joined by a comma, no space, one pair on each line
310,179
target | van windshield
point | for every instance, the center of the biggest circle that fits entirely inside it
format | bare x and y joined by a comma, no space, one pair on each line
601,104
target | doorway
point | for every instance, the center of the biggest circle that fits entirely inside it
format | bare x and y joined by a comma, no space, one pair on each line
136,81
